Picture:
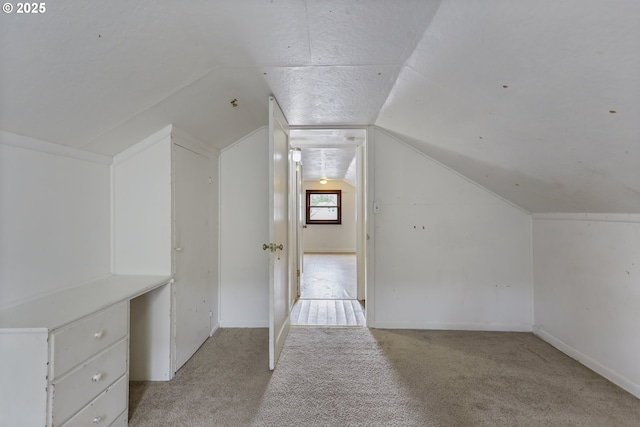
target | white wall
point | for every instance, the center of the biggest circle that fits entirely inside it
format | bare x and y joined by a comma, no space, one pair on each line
448,254
244,227
333,237
142,207
587,297
54,218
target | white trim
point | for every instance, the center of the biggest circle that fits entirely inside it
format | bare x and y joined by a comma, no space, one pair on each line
249,135
361,219
329,127
331,251
28,143
370,227
442,165
532,284
112,219
214,329
330,181
602,217
455,326
174,344
219,242
245,324
143,145
590,363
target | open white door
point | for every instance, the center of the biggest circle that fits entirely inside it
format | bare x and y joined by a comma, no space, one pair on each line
278,231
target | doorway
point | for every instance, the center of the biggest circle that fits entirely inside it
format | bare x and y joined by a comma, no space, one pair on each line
330,229
327,292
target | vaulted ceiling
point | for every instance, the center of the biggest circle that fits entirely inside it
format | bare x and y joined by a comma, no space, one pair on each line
537,100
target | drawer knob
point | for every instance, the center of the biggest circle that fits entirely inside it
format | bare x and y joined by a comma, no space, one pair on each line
98,335
97,419
97,377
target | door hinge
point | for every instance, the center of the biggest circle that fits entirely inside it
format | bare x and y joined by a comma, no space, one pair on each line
298,272
210,313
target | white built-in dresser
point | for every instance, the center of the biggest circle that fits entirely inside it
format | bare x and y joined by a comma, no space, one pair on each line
64,358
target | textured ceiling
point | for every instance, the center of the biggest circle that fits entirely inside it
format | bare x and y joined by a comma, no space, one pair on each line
328,153
103,75
536,100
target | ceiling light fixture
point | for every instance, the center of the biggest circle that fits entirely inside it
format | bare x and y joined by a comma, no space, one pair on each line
296,154
323,181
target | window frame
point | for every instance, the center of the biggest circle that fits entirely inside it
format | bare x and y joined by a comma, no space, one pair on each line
308,207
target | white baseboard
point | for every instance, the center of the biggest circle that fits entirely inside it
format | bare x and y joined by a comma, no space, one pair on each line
590,363
462,326
214,329
244,324
330,251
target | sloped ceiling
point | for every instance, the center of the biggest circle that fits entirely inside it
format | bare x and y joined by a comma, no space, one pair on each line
103,75
539,101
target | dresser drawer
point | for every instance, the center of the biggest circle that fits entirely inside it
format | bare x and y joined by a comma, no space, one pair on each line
121,420
105,409
75,343
71,392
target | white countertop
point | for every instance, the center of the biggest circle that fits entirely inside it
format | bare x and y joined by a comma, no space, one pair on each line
56,310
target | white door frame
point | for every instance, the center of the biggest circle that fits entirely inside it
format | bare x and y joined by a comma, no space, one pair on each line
295,229
363,194
361,221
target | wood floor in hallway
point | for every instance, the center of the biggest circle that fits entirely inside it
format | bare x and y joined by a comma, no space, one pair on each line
329,276
328,292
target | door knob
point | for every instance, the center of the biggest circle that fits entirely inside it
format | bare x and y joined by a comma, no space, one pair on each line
272,246
178,249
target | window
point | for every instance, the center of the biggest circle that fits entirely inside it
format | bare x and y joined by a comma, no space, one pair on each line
323,207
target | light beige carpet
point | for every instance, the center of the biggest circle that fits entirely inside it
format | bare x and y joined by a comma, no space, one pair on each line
361,377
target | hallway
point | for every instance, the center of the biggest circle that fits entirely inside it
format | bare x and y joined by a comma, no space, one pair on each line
328,292
329,276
